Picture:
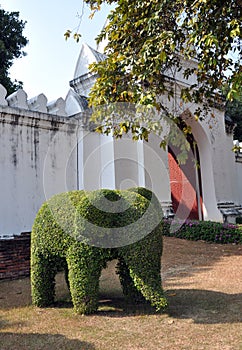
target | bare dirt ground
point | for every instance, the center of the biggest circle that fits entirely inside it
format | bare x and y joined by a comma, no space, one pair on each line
203,283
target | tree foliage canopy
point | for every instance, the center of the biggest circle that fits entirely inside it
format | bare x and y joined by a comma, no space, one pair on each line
147,38
11,43
234,111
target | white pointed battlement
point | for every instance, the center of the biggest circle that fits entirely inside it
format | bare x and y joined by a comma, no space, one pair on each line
3,94
38,103
57,107
19,99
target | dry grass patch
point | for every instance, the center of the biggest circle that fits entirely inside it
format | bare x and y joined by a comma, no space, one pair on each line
204,287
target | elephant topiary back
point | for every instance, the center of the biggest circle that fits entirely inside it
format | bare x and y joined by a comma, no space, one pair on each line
111,219
81,231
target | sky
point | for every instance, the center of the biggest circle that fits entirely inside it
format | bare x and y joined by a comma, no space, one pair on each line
50,61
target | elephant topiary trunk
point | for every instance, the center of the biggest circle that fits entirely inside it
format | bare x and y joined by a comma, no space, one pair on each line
81,231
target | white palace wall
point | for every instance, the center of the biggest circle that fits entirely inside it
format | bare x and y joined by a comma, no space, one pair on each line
37,160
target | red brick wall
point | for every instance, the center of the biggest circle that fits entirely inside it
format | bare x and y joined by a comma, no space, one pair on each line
15,257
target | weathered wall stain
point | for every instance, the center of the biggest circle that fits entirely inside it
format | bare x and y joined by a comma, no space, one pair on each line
27,141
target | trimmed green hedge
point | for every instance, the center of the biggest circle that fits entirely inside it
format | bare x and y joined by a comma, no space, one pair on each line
209,231
81,231
239,220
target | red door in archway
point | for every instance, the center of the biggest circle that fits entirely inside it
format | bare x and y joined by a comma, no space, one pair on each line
185,183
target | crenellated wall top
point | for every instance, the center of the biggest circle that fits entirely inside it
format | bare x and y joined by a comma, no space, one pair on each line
19,99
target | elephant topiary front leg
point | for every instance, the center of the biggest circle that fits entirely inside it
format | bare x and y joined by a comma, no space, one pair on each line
43,271
84,268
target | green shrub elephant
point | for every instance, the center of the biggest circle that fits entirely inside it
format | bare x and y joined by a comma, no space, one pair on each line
81,231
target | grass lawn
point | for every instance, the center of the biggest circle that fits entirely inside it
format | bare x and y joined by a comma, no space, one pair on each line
203,283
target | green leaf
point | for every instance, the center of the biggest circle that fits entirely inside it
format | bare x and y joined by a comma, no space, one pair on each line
163,56
67,34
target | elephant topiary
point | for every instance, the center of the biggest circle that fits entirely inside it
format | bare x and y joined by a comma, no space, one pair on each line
81,231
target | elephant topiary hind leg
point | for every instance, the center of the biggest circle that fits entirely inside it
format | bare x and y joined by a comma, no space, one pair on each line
130,291
144,267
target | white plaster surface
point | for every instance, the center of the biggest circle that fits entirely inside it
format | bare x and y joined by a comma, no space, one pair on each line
26,179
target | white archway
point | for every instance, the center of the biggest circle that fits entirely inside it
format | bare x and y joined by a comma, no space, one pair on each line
210,209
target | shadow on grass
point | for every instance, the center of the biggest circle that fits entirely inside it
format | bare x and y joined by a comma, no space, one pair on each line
23,341
120,307
201,306
114,306
204,306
